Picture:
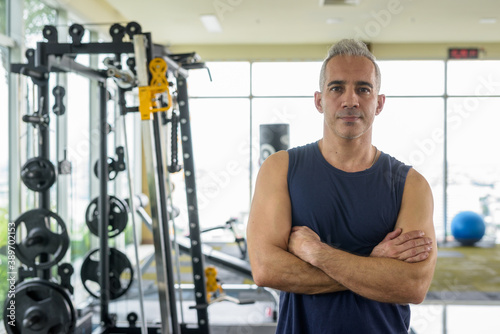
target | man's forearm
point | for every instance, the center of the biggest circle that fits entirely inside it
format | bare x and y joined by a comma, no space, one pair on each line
286,272
382,279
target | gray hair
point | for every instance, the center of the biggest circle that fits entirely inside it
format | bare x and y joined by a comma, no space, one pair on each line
349,47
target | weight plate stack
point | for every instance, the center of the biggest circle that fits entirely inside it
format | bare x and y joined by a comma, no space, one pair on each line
39,306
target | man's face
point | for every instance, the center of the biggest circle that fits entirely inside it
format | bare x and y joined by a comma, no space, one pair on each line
349,99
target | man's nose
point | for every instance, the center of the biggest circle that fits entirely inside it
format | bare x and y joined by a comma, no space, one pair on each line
350,99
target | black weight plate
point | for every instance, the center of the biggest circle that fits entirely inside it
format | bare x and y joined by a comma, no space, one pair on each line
38,174
40,306
39,237
112,170
121,273
118,216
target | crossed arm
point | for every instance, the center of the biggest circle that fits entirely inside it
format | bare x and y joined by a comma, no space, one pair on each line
399,270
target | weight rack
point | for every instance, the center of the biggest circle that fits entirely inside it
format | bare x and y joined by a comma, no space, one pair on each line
52,57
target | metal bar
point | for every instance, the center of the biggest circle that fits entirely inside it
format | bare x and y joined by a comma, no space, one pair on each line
176,247
67,64
158,235
43,145
134,225
192,204
141,44
227,261
445,154
161,51
103,207
160,170
60,49
16,91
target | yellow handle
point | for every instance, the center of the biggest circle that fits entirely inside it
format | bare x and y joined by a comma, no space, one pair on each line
158,85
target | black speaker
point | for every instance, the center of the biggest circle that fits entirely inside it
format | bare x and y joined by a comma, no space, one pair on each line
273,138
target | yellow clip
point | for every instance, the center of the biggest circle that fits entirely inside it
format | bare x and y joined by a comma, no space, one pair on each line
211,282
158,85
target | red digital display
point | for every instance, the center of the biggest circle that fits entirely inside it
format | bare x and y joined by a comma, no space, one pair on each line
463,53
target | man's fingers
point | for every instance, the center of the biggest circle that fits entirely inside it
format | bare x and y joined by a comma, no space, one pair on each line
418,258
392,235
416,254
408,236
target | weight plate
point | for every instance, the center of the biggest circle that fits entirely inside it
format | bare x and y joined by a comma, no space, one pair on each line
44,238
39,306
38,174
121,273
118,216
112,170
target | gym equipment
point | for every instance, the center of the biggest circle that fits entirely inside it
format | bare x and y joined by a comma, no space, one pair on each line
132,317
58,108
468,227
123,78
114,166
38,174
273,138
146,61
45,235
117,218
215,293
121,273
153,155
39,306
238,239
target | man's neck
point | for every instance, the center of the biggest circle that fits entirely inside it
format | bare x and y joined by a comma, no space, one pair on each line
349,155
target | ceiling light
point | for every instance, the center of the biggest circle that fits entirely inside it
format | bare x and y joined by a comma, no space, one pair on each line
211,23
488,20
338,2
333,20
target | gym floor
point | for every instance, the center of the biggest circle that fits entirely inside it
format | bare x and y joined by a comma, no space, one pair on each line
466,286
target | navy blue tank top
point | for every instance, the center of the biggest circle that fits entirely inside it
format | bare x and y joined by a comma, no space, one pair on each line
352,212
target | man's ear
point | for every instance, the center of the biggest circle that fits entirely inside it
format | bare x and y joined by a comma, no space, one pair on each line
380,103
317,101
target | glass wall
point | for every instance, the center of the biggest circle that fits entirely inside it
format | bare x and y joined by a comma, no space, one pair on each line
3,17
220,125
435,110
4,171
473,118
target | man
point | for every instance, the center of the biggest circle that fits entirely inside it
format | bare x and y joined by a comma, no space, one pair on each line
343,230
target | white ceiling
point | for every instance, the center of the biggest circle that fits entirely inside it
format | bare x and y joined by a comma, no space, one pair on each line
176,22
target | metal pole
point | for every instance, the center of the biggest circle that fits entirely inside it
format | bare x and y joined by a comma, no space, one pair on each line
43,144
134,225
140,44
164,218
445,154
192,203
103,206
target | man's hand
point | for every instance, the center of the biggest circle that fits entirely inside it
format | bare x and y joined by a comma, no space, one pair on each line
410,247
303,243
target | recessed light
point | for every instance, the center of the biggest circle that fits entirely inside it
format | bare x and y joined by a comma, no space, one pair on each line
488,20
333,20
211,23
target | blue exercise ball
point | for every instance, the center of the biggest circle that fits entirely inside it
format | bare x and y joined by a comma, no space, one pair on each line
468,227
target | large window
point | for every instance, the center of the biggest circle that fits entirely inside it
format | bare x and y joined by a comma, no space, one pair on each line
473,117
4,172
435,111
3,17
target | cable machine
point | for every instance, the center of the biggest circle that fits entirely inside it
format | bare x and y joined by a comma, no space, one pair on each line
47,305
